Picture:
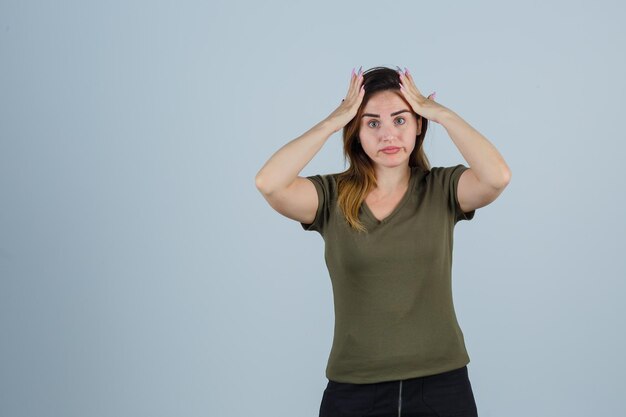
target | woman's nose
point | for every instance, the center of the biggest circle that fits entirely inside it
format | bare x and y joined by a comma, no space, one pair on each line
388,131
387,134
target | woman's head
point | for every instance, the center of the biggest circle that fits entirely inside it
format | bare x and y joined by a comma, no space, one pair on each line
387,122
377,125
383,119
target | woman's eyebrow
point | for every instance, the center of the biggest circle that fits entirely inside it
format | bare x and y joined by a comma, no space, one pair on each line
378,115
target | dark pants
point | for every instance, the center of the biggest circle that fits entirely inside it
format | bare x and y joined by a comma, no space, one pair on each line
446,394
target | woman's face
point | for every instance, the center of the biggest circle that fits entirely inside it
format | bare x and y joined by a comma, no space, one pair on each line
388,121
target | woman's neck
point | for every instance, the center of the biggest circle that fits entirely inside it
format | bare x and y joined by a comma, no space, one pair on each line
391,180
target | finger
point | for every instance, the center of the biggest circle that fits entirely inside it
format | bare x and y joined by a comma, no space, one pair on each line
410,84
353,82
356,76
406,82
408,75
353,77
358,84
406,86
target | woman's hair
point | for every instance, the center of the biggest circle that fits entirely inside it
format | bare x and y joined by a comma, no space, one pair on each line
354,184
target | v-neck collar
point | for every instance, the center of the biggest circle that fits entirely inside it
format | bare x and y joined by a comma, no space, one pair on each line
401,203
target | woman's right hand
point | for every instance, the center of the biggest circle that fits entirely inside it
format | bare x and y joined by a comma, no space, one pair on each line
349,105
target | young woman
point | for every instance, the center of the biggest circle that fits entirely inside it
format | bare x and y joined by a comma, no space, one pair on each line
387,223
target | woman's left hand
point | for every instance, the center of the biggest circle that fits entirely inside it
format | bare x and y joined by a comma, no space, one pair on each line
424,106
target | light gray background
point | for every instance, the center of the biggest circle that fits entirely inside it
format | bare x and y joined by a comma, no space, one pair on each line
143,274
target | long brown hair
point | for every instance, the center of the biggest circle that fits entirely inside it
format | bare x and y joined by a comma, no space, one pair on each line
354,184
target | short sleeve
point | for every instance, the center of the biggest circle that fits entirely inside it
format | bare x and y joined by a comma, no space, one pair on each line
449,179
455,174
323,197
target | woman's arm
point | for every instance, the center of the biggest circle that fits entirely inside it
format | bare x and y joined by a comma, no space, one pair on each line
488,174
282,169
287,193
285,164
483,158
293,196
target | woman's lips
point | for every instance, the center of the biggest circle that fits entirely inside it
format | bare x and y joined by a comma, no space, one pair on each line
390,150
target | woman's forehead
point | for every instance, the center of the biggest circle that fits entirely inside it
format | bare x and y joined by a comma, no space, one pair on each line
384,101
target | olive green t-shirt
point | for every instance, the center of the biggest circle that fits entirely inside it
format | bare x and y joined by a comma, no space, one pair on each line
392,293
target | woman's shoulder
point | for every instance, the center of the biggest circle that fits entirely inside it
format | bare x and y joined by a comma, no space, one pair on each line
444,172
327,182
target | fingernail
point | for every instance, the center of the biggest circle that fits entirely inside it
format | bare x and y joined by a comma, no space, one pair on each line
398,69
432,96
360,69
406,71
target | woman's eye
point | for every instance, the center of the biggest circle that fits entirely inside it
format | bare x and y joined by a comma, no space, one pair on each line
375,121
